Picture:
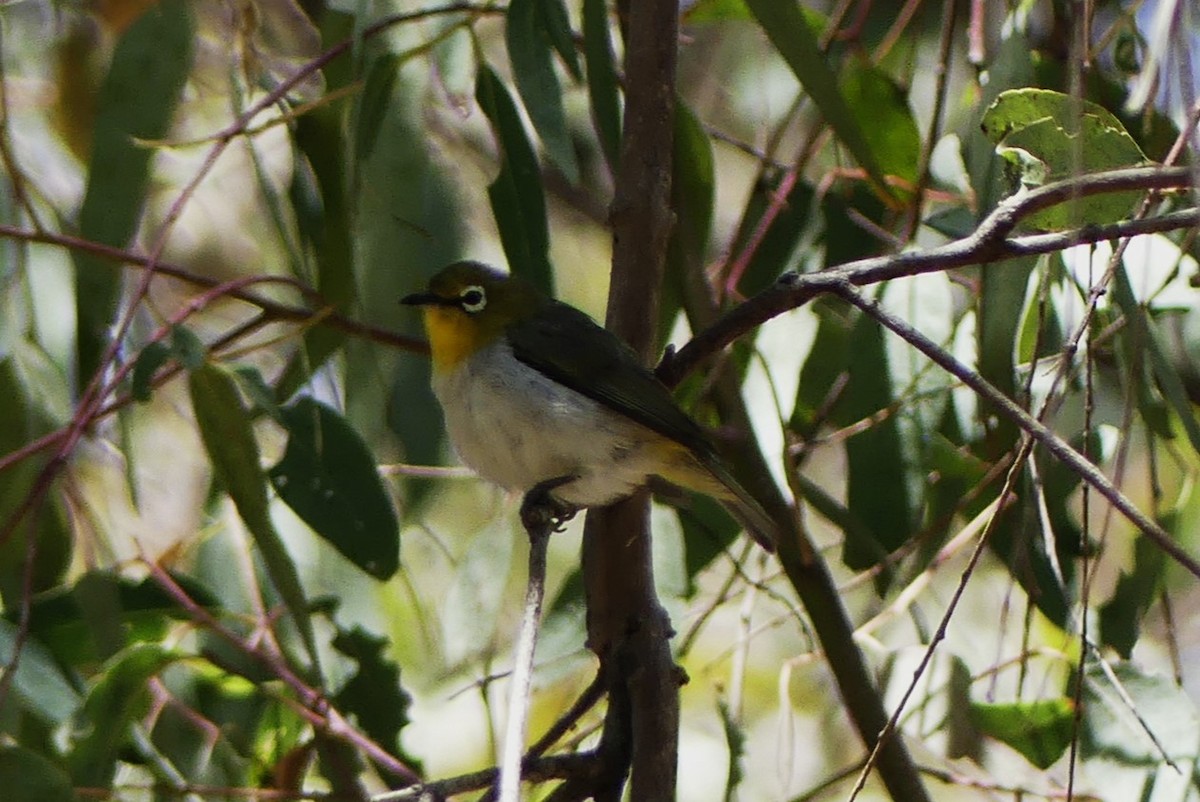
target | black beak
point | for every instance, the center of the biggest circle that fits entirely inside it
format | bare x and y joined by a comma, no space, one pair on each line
421,299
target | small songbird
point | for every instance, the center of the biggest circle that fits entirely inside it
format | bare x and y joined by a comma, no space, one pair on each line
538,398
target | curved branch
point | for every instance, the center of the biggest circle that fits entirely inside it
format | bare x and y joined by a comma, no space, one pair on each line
990,242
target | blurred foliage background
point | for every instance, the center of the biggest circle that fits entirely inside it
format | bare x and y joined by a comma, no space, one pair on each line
236,555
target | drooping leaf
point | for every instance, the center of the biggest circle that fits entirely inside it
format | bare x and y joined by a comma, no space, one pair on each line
118,699
518,203
776,248
877,490
225,430
373,103
328,477
152,357
1136,590
792,35
529,51
138,97
1040,730
603,91
692,187
881,110
553,18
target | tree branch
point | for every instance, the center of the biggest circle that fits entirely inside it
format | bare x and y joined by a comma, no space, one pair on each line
990,242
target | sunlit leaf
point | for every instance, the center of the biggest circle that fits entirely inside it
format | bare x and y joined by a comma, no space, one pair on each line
881,109
1040,730
1046,136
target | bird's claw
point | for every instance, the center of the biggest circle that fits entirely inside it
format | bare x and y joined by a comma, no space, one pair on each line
541,511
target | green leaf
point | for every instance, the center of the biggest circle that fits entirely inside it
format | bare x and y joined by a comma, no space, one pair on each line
32,388
828,359
881,110
553,19
1164,711
472,605
59,618
39,682
876,489
529,52
603,91
373,695
119,699
187,347
775,251
373,103
228,437
785,25
26,776
137,100
692,188
516,195
1137,589
152,357
708,529
328,477
1046,136
1040,730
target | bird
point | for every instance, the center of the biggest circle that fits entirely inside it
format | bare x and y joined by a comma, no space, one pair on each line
539,398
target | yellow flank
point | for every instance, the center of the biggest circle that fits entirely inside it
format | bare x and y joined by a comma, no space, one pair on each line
453,336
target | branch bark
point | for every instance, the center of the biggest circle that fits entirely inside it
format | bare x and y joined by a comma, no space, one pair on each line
627,627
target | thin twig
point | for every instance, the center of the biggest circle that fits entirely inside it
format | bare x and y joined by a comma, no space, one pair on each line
522,675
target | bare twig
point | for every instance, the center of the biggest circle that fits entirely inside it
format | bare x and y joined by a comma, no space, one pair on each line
522,674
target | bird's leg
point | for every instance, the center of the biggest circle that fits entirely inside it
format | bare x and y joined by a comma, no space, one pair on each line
540,510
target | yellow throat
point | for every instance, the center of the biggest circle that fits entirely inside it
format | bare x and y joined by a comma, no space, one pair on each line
453,336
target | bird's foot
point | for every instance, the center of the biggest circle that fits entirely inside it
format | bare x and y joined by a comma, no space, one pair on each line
542,512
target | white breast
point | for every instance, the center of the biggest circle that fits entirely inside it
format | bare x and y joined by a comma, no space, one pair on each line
516,427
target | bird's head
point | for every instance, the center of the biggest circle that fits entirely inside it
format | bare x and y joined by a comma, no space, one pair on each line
467,305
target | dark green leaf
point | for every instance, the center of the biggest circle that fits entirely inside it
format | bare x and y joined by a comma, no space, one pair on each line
374,695
516,195
152,357
228,438
1040,730
31,387
533,71
26,776
776,248
1137,589
328,477
553,19
877,490
187,347
692,186
707,531
137,100
828,360
603,92
785,25
1002,292
881,110
373,103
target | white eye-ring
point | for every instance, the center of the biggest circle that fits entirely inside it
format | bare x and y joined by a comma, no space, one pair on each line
472,299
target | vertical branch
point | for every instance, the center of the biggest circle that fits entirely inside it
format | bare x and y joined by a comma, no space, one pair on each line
627,628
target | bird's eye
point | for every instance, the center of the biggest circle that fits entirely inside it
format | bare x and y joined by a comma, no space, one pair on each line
472,299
